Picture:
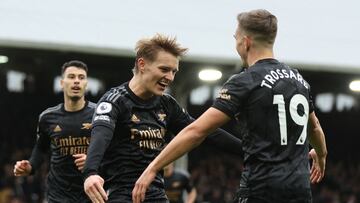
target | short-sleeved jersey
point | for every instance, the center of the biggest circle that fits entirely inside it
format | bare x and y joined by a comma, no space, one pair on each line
64,134
139,128
176,184
272,103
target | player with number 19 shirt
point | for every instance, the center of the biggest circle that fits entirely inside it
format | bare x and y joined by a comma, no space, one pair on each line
273,103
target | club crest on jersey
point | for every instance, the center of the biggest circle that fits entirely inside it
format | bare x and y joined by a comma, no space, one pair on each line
86,126
104,107
161,116
57,129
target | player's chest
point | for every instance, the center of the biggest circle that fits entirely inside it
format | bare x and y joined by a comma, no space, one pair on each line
67,125
144,119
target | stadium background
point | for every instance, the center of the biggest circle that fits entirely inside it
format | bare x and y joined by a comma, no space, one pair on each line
38,37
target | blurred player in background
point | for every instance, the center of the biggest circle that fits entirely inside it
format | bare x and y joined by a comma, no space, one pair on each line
64,132
272,103
176,182
132,122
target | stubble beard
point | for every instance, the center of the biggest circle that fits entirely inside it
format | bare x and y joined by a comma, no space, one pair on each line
75,98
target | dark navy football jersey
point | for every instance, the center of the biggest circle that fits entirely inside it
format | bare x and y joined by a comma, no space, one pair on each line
138,130
176,184
63,134
272,103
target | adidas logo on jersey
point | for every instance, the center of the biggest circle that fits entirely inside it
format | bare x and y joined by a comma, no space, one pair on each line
57,129
134,118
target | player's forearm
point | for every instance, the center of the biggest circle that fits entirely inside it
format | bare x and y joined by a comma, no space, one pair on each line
317,137
37,155
190,137
317,141
40,149
100,140
36,159
186,140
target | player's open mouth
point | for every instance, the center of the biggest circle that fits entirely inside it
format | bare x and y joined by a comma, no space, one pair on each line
75,89
163,84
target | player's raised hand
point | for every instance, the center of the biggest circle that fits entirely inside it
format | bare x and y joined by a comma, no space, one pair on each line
141,185
317,171
80,161
93,186
22,168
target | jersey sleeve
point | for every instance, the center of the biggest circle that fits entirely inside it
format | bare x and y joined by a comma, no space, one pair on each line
106,114
311,101
225,141
221,139
107,110
179,118
42,145
233,94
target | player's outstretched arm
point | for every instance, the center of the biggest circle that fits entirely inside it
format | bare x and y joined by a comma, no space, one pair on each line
225,142
317,141
186,140
22,168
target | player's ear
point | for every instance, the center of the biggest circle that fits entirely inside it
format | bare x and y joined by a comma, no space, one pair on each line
248,42
62,83
141,64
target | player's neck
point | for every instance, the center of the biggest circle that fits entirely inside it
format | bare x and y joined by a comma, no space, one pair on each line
259,54
74,105
138,88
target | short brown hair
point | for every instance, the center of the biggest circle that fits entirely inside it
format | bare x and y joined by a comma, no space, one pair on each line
148,48
260,24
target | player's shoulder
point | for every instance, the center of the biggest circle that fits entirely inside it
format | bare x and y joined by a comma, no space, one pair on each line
242,78
167,97
267,68
115,93
169,102
91,105
89,108
299,76
51,110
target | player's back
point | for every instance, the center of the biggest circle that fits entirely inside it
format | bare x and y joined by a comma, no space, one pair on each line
275,116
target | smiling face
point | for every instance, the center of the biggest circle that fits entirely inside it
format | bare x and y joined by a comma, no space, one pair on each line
74,83
157,75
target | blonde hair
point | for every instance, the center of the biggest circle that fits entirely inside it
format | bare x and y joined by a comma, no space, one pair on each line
148,48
